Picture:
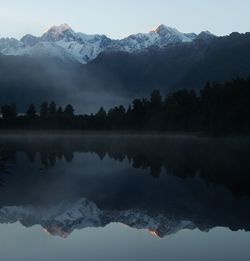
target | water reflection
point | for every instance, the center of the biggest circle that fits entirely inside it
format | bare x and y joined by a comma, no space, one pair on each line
161,183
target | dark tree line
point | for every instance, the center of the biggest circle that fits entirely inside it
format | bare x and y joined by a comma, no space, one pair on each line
217,108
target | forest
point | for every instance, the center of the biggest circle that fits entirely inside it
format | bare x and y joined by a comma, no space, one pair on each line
219,108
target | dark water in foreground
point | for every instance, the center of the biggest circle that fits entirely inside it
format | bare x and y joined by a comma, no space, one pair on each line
124,197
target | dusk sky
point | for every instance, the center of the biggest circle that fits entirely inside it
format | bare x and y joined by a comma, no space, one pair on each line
119,18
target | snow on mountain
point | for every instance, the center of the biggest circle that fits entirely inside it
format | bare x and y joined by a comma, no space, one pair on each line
57,33
191,36
64,43
170,35
11,46
29,40
159,37
62,219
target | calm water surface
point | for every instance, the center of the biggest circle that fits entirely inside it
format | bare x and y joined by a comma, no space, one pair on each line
124,197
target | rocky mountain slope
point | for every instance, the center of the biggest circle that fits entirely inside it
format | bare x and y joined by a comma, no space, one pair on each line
64,43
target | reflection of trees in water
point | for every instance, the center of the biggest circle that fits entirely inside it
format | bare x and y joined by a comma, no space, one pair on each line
216,161
46,153
3,170
49,159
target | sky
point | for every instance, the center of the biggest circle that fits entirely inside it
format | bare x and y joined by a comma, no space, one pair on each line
119,18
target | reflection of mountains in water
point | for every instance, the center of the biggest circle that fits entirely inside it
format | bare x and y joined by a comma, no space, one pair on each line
210,170
62,219
218,161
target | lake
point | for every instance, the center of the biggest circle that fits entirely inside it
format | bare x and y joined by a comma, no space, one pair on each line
124,197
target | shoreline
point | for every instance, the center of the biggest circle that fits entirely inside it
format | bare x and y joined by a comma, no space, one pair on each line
34,133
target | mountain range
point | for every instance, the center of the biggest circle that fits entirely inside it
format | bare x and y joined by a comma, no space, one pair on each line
90,71
65,217
64,43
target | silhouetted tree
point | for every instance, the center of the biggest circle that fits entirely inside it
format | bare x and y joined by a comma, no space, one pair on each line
9,111
52,108
100,118
31,111
69,110
218,109
116,117
101,113
59,111
44,109
156,99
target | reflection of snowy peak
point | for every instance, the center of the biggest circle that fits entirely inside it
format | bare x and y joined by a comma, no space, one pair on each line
64,218
62,42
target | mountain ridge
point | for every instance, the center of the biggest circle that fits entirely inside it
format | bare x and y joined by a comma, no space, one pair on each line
62,219
83,48
117,77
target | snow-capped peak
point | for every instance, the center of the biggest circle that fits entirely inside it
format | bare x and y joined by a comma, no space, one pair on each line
169,34
59,29
62,41
163,29
56,33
